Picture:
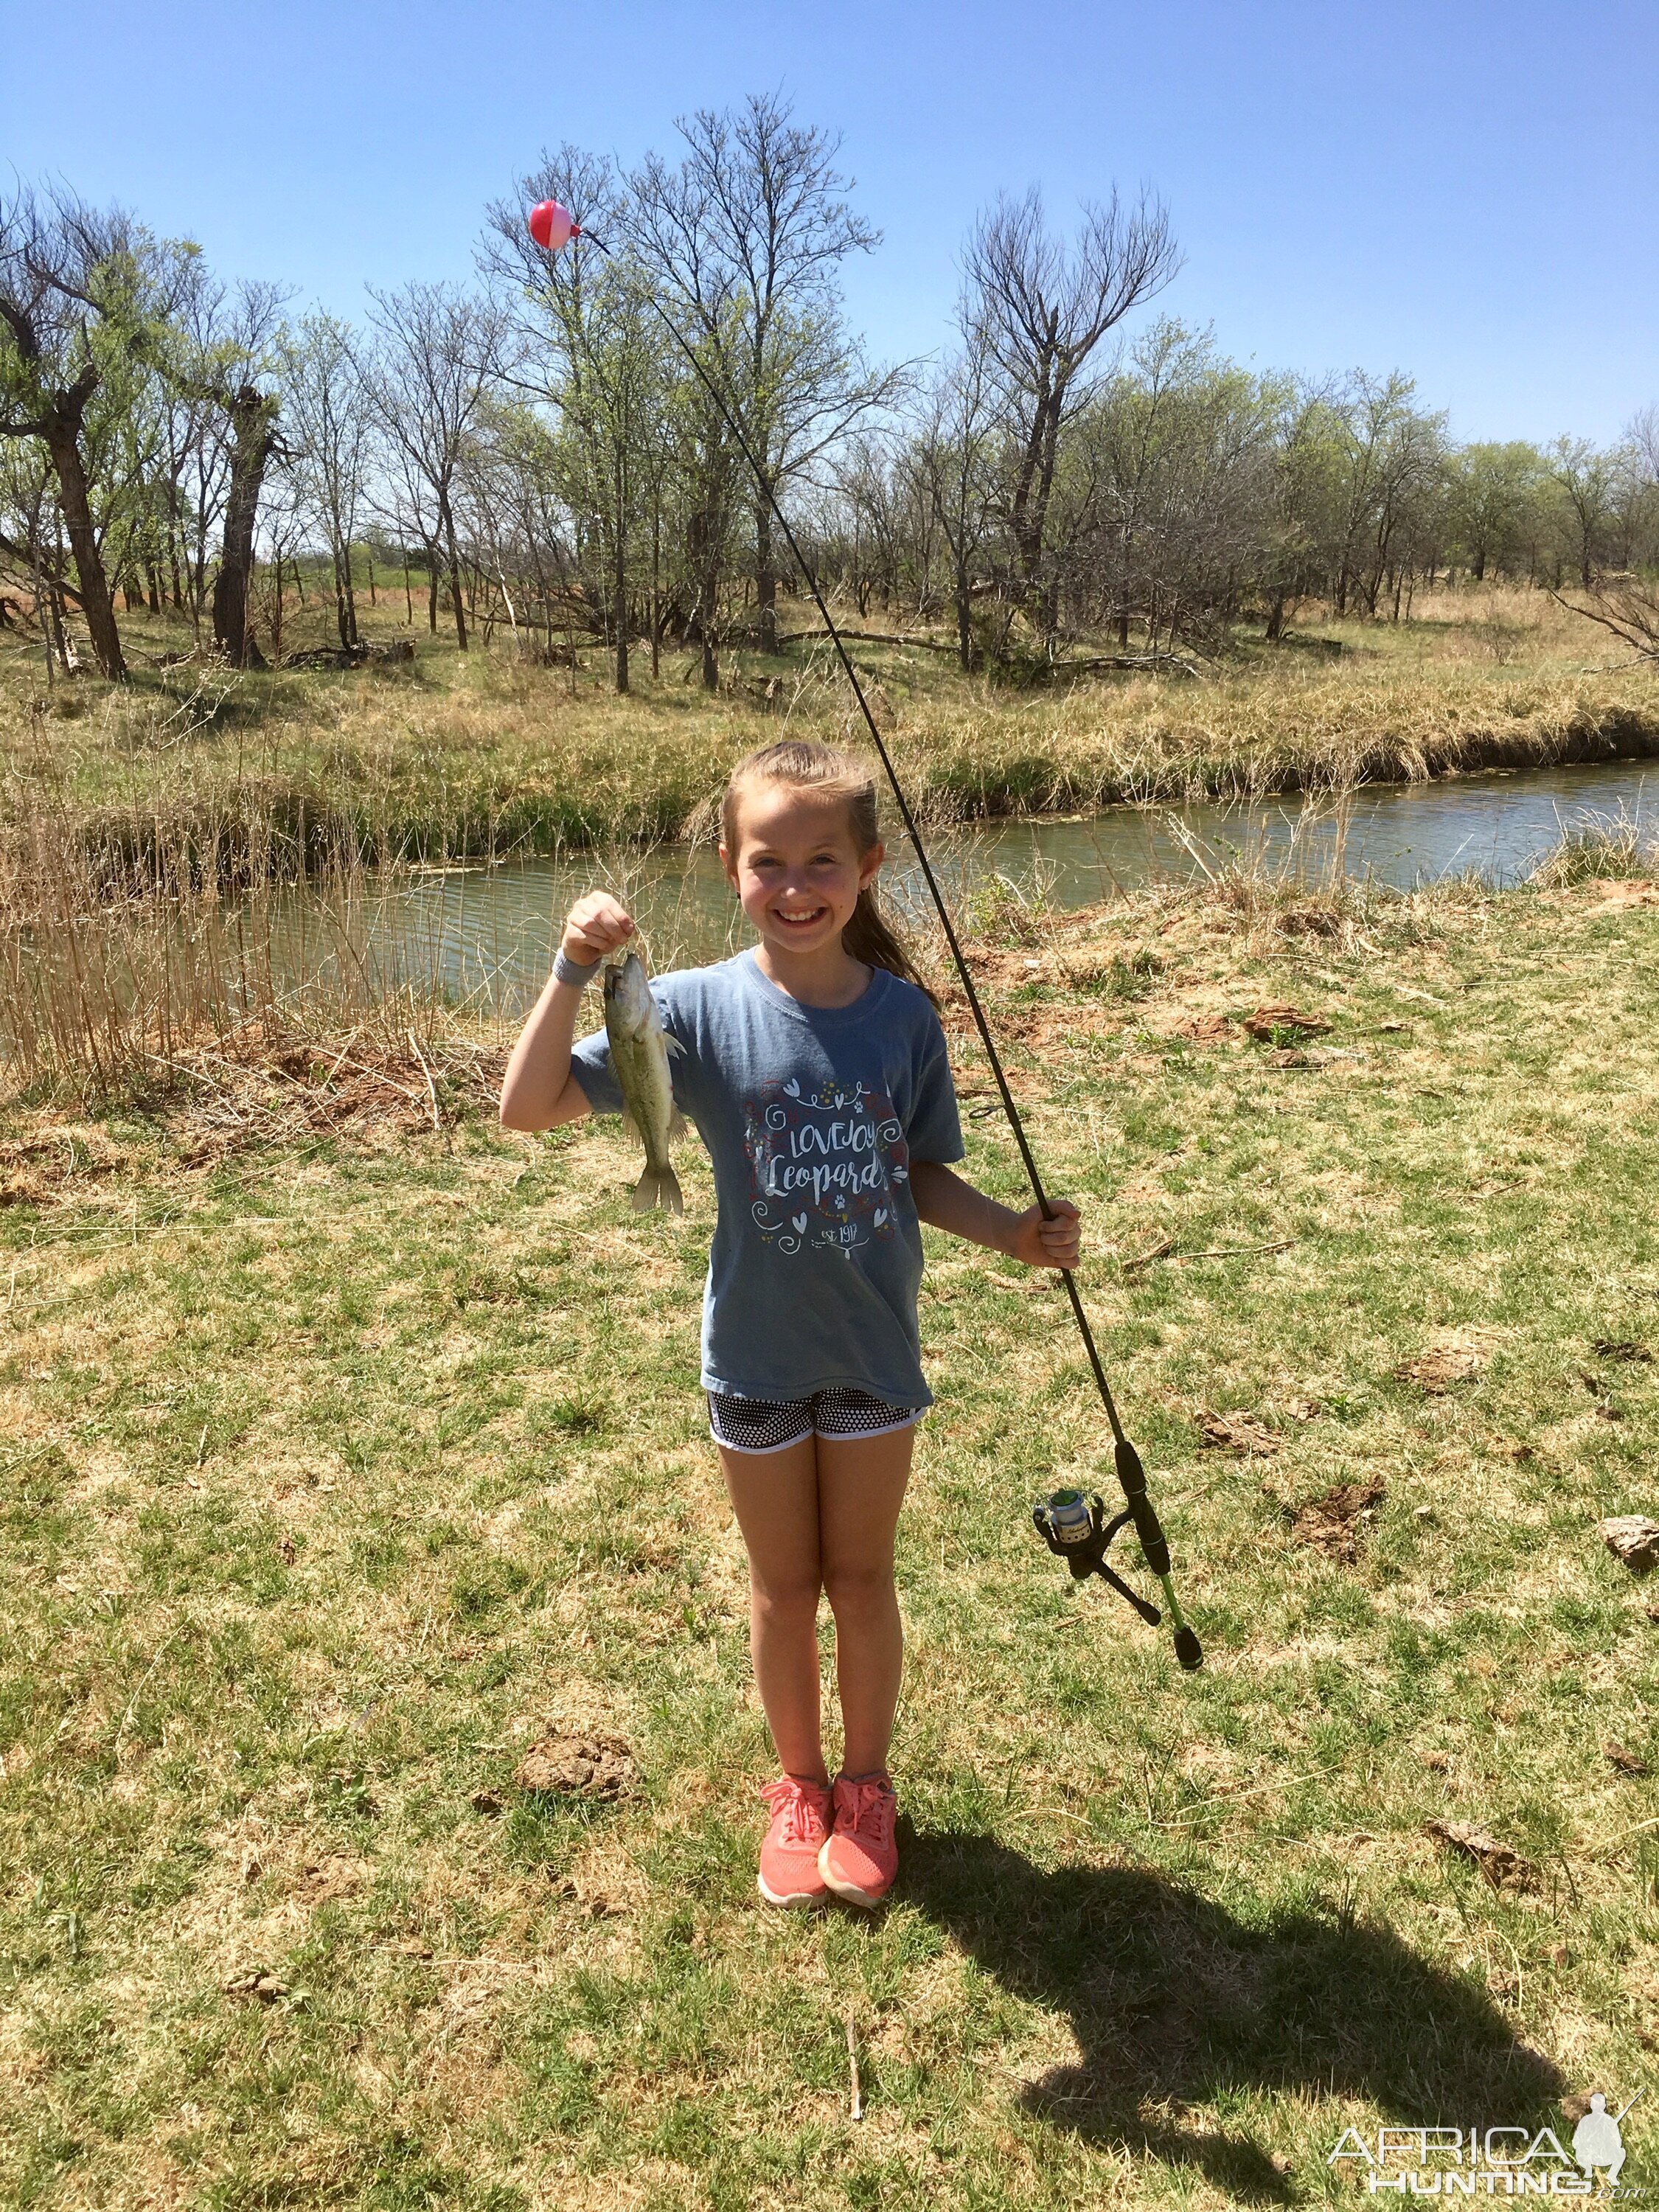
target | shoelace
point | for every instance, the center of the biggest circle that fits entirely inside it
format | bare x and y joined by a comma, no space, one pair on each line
802,1818
872,1812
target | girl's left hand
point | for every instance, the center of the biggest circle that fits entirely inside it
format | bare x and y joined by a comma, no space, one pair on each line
1054,1243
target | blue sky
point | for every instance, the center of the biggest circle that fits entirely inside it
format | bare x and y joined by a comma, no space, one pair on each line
1463,192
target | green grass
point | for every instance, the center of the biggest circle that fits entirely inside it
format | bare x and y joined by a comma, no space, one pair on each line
334,1470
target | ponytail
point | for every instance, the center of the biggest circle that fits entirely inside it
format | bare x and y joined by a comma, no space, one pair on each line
870,937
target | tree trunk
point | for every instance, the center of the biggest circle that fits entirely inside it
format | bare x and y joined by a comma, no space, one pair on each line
63,443
656,588
766,583
621,610
963,596
704,534
252,413
456,599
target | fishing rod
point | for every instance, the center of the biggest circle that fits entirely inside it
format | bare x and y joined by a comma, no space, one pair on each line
1072,1525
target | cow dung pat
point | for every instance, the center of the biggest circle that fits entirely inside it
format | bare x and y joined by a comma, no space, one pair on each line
1503,1868
1332,1524
577,1766
1633,1539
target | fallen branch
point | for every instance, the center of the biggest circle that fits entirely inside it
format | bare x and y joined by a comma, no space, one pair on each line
865,637
1167,1250
1161,1250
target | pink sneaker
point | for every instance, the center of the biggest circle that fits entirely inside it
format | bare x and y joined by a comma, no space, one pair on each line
861,1859
800,1828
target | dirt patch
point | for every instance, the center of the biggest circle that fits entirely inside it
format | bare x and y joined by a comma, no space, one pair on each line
1614,894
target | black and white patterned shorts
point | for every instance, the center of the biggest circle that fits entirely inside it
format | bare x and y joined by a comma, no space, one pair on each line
772,1424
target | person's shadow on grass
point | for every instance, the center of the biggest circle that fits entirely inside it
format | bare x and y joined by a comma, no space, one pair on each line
1173,2001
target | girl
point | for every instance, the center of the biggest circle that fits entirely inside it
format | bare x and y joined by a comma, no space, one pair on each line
814,1068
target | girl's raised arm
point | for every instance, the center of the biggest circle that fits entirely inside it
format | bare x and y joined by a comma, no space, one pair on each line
536,1091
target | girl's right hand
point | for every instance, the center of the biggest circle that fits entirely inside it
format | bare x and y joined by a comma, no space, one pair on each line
596,925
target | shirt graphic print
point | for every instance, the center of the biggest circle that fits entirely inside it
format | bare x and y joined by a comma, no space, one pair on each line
815,1118
824,1165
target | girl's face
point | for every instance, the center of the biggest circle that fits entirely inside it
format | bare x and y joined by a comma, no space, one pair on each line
796,868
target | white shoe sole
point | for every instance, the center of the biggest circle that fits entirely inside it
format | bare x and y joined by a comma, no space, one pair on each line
803,1902
848,1892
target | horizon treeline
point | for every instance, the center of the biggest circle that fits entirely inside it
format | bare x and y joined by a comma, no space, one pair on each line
535,454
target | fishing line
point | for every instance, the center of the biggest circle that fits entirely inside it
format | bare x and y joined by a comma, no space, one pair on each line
1073,1525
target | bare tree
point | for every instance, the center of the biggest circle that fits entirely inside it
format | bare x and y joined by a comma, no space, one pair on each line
439,355
328,437
1584,476
749,232
1040,310
953,462
1629,605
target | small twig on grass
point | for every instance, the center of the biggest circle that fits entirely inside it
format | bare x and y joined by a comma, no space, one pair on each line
144,1684
1613,1850
340,1057
1236,1796
1238,1251
857,2103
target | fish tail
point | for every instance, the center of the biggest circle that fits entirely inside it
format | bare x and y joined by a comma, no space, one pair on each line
657,1186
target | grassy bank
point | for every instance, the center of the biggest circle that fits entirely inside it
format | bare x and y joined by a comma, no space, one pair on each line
473,755
346,1455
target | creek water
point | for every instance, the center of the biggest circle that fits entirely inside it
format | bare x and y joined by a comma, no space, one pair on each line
487,934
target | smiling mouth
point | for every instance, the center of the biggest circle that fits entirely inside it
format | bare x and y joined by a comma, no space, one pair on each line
797,920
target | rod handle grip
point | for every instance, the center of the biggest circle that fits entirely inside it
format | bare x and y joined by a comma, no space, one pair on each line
1133,1477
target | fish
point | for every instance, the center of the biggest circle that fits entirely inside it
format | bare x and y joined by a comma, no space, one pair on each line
639,1046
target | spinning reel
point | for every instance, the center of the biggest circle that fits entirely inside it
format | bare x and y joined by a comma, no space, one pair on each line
1075,1528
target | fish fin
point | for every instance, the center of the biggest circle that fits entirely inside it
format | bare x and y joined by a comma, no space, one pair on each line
671,1043
657,1186
677,1123
631,1128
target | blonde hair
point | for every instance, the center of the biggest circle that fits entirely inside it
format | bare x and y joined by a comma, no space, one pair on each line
807,764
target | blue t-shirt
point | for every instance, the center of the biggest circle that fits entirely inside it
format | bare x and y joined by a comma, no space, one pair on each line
811,1115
